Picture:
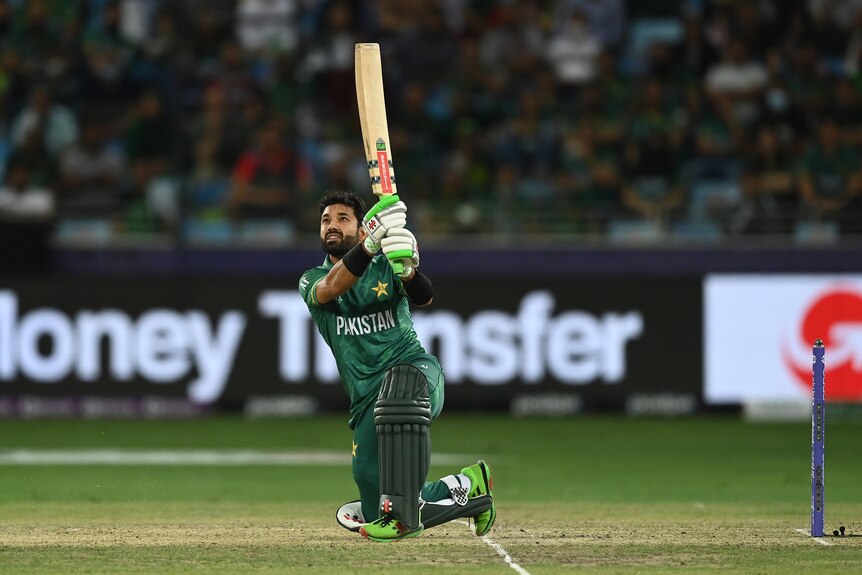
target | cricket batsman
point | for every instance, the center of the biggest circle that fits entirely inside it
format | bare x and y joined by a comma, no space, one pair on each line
361,307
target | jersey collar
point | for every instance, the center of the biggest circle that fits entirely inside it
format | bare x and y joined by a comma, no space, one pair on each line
327,263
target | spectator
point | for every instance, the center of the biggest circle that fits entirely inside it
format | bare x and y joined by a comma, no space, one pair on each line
43,39
652,187
778,108
846,110
652,191
661,63
54,123
605,18
435,47
110,28
5,19
41,165
841,13
154,195
591,174
232,76
162,41
148,129
716,136
20,199
829,33
106,72
756,24
135,20
514,33
573,52
769,187
607,101
205,24
529,140
266,179
266,25
474,87
532,144
218,139
91,172
505,180
538,101
853,52
218,136
26,221
330,60
284,92
738,82
157,56
695,53
34,39
807,80
830,180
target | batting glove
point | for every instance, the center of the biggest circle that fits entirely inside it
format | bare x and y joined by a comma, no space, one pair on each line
401,250
387,214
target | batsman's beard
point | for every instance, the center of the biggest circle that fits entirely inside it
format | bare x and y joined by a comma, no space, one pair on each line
340,247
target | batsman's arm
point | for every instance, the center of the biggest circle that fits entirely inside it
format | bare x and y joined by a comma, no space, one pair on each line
418,288
343,274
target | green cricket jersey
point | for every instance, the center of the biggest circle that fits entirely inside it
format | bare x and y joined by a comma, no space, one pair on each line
368,328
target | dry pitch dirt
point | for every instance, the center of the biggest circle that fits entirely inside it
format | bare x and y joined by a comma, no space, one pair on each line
244,543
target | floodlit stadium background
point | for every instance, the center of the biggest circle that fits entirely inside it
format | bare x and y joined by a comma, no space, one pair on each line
638,216
643,207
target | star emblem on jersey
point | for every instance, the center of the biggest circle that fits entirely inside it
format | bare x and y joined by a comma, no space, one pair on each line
354,448
380,289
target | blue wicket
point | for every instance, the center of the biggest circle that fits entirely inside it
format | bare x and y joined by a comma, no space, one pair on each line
818,436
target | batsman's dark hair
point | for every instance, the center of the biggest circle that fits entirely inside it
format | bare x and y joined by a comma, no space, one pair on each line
348,199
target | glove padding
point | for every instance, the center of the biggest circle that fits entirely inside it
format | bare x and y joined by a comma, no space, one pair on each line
387,214
401,250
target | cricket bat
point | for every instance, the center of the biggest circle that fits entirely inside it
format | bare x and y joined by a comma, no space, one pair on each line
372,117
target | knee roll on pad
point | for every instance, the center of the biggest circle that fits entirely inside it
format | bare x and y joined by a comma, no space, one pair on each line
402,417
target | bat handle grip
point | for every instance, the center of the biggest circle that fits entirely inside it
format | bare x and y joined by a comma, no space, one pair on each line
395,260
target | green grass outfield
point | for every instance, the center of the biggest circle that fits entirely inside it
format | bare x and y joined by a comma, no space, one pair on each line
584,495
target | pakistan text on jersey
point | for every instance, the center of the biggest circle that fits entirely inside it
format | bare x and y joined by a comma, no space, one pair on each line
365,324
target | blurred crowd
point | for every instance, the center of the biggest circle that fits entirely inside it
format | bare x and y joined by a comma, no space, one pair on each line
223,121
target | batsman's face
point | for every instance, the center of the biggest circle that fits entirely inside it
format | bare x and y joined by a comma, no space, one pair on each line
339,230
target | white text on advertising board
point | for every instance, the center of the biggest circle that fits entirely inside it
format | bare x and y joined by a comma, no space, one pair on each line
491,347
165,346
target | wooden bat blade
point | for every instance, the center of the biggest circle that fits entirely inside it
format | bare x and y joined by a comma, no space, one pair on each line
372,118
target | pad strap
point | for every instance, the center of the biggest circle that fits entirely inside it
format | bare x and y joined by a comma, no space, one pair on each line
458,491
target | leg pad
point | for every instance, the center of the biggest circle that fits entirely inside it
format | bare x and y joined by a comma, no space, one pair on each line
402,417
439,512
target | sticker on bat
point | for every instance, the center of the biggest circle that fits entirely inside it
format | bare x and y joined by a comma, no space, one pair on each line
385,177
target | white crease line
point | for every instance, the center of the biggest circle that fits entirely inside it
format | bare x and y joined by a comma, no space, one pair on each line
500,551
193,457
820,540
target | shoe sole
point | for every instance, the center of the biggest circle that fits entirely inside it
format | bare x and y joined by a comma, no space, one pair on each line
486,477
365,534
493,511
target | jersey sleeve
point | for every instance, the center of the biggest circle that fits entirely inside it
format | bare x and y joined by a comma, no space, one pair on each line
308,286
399,285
